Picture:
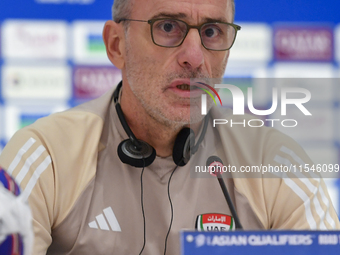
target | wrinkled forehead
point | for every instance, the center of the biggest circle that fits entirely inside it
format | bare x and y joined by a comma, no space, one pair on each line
192,11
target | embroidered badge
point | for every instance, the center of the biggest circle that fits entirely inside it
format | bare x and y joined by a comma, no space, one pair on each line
214,222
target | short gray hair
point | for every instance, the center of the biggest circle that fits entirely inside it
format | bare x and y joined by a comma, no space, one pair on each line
233,9
122,9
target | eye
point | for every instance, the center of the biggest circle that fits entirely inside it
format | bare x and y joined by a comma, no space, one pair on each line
167,27
212,31
209,32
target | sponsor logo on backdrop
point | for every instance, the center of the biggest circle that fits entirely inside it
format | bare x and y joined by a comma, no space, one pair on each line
303,43
253,43
20,115
92,82
28,119
95,43
25,82
88,44
337,42
35,39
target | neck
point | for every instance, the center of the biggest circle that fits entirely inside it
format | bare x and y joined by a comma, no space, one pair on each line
160,136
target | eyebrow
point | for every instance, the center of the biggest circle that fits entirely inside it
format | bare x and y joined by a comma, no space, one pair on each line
183,16
170,15
210,20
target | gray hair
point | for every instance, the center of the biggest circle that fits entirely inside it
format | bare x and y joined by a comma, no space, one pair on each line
122,9
233,9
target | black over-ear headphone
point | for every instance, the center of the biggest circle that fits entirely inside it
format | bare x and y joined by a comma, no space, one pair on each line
138,153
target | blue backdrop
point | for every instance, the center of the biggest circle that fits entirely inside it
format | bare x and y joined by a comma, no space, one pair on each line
246,10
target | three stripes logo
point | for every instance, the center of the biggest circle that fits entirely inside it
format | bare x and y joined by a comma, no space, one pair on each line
108,222
39,154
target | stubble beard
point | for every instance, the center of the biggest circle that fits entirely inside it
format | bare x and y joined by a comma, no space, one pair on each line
143,72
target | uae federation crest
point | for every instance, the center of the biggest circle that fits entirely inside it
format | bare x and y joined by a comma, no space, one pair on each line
214,222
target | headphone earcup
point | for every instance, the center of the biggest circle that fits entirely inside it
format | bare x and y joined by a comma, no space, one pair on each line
129,154
184,142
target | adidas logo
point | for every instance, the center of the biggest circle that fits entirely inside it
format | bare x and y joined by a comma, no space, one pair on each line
103,223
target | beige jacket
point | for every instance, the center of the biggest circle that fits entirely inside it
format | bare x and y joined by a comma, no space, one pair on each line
85,201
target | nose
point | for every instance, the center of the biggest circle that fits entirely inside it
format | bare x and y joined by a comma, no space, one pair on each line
191,53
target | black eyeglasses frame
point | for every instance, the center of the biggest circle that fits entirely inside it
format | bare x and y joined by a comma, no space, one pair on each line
152,21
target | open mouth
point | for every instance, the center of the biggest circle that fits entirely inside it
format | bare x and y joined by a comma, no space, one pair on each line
186,87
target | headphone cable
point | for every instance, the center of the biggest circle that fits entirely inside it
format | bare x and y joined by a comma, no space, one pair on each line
171,208
142,205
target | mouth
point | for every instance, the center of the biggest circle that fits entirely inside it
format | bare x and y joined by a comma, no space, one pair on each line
186,87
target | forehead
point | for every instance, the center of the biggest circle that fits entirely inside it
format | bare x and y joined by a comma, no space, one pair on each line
193,11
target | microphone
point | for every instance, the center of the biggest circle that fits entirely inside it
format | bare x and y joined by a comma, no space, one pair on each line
216,162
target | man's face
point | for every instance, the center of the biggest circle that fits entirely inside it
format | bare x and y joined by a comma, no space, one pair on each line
156,74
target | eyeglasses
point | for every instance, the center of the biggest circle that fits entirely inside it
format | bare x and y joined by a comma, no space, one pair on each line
170,33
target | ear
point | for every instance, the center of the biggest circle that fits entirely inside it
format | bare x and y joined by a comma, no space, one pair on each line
113,36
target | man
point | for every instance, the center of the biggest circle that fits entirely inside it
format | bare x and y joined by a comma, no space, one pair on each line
86,201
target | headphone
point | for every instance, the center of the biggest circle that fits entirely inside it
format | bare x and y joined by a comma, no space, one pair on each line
138,153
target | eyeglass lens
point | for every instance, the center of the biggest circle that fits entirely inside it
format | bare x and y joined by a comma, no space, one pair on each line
215,36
